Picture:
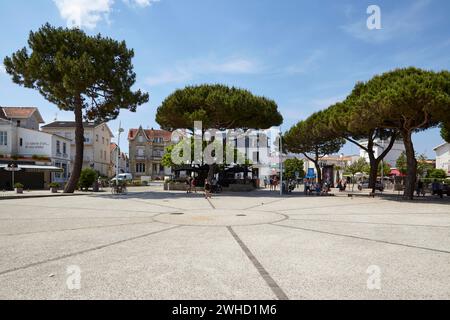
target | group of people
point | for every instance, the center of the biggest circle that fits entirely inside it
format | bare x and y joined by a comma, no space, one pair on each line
342,185
320,189
272,183
209,187
437,188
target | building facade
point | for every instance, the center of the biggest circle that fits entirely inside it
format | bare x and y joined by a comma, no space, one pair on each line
42,157
23,117
146,150
443,157
124,163
379,147
97,143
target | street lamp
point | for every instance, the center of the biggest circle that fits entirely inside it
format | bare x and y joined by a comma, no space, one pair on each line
118,150
281,161
12,168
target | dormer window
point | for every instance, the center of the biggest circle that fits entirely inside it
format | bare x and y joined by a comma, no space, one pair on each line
141,139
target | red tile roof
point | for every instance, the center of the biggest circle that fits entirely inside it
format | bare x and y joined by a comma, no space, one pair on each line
21,113
151,134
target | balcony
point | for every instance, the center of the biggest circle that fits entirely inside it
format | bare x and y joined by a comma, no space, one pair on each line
140,157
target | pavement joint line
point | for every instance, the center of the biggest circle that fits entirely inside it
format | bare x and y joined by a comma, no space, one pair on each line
363,214
332,206
276,289
361,238
283,218
34,264
74,229
87,209
154,214
159,205
374,223
264,204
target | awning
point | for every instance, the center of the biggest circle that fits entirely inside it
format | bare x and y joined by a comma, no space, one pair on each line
397,173
35,168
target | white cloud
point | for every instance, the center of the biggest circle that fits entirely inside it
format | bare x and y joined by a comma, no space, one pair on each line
2,69
188,70
84,13
88,13
140,3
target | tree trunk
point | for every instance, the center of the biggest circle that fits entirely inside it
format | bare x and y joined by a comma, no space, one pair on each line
411,161
373,175
319,172
79,148
211,171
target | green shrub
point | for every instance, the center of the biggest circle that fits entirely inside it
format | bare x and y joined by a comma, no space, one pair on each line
437,174
87,178
54,185
18,185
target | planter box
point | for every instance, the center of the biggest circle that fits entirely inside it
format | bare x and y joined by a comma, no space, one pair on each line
54,190
19,190
175,186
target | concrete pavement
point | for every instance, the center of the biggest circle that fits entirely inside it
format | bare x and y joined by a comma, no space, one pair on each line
170,245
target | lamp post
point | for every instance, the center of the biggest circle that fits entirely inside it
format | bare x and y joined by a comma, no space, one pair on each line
118,150
281,161
12,168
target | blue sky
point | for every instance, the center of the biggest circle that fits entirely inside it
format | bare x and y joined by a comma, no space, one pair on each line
305,55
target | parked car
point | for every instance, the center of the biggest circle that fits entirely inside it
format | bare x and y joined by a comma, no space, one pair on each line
128,177
365,185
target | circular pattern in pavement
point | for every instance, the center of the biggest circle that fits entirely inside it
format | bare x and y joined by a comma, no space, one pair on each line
219,217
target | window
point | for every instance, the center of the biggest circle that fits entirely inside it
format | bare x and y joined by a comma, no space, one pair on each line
155,168
101,154
57,175
140,167
64,148
141,139
21,142
58,147
3,138
140,152
103,140
104,155
96,138
64,173
18,123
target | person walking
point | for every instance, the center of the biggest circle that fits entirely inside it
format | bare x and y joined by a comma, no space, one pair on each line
189,185
207,189
420,190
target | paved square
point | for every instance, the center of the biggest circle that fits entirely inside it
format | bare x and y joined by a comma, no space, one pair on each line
156,245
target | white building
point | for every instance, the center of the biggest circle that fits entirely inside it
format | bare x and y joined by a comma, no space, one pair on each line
124,163
97,143
380,146
37,153
24,117
443,157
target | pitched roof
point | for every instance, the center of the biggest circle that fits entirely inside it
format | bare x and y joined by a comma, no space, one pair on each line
20,113
69,124
112,146
150,134
440,146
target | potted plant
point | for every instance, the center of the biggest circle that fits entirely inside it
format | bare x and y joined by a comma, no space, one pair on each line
19,187
54,186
